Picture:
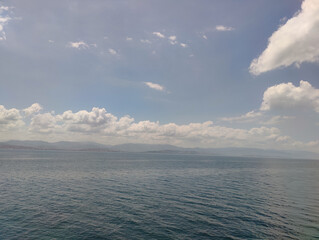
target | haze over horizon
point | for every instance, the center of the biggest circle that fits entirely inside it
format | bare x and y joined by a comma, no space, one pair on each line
186,73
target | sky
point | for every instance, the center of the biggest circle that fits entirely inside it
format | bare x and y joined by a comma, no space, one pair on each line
203,73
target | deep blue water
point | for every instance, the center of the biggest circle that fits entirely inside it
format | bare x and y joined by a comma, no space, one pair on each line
87,195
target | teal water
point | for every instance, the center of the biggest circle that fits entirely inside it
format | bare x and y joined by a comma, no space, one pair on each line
87,195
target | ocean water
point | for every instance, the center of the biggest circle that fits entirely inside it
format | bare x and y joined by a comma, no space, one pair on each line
94,195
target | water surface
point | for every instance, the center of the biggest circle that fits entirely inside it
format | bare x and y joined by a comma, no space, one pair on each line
89,195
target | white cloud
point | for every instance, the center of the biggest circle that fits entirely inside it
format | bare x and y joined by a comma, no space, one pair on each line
44,123
205,37
84,121
248,117
184,45
292,108
10,118
286,96
265,131
4,8
34,108
295,42
129,39
277,119
154,86
4,19
100,125
172,40
145,41
223,28
78,45
282,98
99,122
112,51
50,41
158,34
257,117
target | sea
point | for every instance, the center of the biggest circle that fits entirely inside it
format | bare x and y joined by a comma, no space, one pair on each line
104,195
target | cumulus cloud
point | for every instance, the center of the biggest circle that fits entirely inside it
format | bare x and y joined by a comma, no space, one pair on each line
281,103
10,118
158,34
98,123
129,39
84,121
34,108
295,42
154,86
78,45
44,123
223,28
287,96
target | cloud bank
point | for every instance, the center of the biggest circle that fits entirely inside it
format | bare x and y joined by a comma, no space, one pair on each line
102,126
295,42
100,123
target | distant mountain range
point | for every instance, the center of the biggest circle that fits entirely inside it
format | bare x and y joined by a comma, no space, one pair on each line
156,148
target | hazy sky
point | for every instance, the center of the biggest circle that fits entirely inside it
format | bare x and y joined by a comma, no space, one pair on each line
191,73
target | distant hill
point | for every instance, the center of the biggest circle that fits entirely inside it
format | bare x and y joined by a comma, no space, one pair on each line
156,148
64,145
136,147
255,152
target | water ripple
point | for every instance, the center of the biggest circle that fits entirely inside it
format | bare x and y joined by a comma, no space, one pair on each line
71,195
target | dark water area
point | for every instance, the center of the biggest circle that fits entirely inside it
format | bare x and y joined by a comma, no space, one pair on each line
87,195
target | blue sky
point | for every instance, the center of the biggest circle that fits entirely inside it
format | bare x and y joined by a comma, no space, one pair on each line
161,62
